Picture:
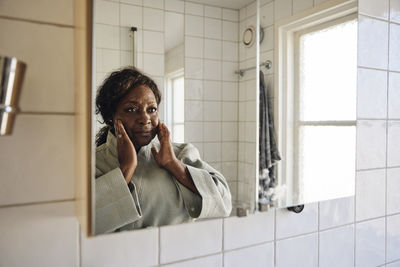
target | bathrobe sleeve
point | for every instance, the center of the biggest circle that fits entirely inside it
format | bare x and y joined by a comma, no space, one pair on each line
212,185
115,205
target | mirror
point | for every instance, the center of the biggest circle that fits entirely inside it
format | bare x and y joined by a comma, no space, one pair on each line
191,51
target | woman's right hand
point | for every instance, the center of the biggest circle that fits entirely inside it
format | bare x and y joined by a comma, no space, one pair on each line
126,151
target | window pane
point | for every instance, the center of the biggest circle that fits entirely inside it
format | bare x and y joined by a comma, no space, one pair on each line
328,73
178,133
179,100
326,162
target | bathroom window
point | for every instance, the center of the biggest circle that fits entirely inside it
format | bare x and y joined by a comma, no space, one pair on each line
315,103
175,105
325,107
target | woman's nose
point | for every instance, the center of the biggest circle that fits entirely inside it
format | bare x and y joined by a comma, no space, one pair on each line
144,118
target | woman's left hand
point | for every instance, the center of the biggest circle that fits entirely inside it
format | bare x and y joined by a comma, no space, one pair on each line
165,158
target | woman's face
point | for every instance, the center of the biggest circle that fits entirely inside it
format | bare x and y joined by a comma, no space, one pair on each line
138,112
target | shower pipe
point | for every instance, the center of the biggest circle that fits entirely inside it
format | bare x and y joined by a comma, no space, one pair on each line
267,64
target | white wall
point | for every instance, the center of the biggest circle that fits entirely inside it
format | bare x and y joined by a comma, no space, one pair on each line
37,225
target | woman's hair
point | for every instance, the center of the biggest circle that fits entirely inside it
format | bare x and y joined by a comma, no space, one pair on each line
111,92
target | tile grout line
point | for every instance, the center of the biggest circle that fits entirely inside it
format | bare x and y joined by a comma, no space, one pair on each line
387,128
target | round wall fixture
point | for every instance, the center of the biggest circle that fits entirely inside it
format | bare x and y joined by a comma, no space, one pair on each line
249,36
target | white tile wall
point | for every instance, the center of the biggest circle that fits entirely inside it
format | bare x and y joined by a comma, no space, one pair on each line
394,44
211,261
370,243
190,240
394,11
257,256
370,194
393,143
394,95
298,251
393,196
393,238
379,9
336,247
336,212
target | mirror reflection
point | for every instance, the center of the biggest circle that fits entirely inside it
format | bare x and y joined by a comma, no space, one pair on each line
186,52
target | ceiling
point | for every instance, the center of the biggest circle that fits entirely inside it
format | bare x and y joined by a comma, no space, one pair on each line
233,4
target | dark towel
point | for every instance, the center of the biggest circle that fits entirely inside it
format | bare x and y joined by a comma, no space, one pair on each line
269,153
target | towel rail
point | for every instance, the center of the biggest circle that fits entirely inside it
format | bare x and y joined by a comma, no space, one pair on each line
267,64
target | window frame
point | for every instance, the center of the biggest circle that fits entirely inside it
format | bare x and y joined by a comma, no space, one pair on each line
286,84
169,100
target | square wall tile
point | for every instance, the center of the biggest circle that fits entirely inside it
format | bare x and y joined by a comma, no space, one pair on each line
44,145
229,169
371,144
212,70
257,256
230,31
372,43
178,242
107,36
298,251
212,132
228,71
107,60
212,111
175,5
106,12
153,19
212,90
282,9
118,249
392,195
393,145
301,5
153,64
370,194
393,264
267,15
230,91
193,68
126,39
131,16
193,89
230,51
229,111
306,221
395,11
245,231
229,131
194,25
373,8
193,132
393,238
210,261
60,12
193,110
371,94
45,88
154,3
251,9
336,247
194,9
212,49
394,96
394,44
153,42
194,47
213,12
213,28
230,14
31,235
370,243
336,212
212,152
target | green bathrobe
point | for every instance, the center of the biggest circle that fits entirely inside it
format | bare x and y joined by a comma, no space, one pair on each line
155,197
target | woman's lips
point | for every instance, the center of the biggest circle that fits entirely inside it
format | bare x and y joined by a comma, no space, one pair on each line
144,134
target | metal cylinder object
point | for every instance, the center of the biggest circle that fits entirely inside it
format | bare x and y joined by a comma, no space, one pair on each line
12,73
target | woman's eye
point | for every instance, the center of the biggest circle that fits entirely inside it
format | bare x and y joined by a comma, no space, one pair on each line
132,109
152,110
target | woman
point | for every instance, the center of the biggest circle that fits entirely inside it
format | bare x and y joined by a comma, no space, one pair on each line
142,181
